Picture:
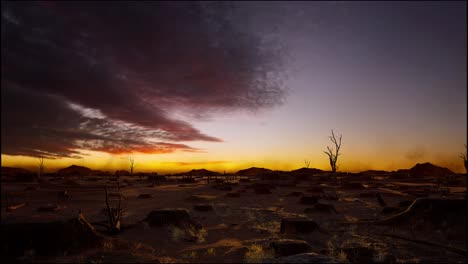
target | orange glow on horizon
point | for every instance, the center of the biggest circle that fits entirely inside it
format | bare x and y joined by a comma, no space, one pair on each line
182,162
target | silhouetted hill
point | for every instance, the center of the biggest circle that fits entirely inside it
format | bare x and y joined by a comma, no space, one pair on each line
122,173
428,170
13,171
201,172
74,170
17,174
373,172
254,171
306,172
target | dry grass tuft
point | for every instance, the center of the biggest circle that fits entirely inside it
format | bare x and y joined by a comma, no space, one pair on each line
256,254
211,251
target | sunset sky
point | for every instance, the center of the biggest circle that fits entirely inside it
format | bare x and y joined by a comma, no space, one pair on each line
226,86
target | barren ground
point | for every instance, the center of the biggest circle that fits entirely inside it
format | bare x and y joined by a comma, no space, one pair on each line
240,229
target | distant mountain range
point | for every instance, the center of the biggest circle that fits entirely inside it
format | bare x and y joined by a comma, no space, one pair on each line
419,170
425,170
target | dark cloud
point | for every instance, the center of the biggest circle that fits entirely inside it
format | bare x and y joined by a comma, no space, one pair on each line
107,77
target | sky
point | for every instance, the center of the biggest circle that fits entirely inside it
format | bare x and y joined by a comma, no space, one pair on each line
226,86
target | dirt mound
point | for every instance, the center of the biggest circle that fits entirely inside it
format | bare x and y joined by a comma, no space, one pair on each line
49,208
31,188
302,258
288,247
390,210
309,199
203,207
156,179
145,196
405,203
120,173
315,189
233,194
179,217
353,186
188,180
295,193
71,182
201,198
321,208
368,194
262,190
223,187
297,225
48,239
359,254
263,185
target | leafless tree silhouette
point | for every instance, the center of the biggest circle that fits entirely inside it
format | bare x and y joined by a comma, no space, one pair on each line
307,163
131,160
41,168
333,155
463,157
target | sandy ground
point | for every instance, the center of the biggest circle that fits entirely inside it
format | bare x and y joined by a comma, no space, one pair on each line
238,226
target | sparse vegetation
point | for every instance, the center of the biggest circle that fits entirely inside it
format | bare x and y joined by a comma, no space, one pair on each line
107,245
342,257
211,251
256,254
190,255
199,234
177,234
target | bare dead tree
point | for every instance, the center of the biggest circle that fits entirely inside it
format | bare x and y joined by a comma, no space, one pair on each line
226,177
131,161
41,166
307,163
114,215
333,155
463,157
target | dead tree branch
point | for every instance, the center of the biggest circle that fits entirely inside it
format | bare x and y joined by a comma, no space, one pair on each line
114,215
463,157
131,161
41,168
334,154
